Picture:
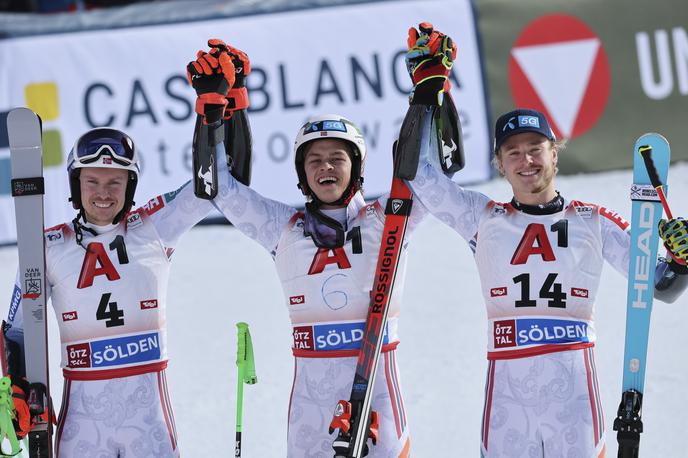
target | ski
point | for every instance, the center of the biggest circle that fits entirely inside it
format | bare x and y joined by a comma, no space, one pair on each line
235,132
24,131
354,418
239,146
650,170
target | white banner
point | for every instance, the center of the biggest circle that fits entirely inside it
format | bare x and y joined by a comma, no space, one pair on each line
346,60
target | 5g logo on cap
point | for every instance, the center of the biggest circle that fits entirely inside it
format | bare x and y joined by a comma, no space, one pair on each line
528,121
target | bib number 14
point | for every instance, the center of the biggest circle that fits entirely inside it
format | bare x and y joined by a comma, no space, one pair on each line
549,290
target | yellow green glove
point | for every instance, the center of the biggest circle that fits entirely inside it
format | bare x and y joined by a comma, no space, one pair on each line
674,233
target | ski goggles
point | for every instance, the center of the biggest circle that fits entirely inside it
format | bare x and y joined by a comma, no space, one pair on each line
105,142
326,232
321,126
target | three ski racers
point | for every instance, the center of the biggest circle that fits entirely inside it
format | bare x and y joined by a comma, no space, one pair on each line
539,257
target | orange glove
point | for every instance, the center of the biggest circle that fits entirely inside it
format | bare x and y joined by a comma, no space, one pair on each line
20,392
237,98
211,75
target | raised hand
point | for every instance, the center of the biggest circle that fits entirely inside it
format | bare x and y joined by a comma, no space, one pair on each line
429,60
212,75
237,98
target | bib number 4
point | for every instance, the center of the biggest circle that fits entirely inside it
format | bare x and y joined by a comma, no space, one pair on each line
110,312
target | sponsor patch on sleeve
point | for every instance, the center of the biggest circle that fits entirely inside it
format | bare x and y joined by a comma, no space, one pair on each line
497,209
615,217
584,211
134,220
170,196
54,236
155,204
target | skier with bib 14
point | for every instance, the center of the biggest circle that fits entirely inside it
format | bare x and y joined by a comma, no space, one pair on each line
539,258
108,271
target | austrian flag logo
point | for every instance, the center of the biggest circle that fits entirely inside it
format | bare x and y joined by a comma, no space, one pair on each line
558,65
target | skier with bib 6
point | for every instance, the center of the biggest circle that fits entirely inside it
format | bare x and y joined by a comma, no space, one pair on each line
326,258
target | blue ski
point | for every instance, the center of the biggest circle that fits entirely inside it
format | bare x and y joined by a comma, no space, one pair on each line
650,169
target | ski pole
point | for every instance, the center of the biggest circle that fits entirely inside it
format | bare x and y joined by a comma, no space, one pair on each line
246,374
646,152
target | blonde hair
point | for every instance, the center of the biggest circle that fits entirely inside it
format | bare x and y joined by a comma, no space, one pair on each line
559,145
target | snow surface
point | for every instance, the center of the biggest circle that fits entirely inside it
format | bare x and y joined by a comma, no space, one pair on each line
219,277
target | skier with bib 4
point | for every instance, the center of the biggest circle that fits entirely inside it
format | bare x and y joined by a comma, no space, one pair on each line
540,259
108,270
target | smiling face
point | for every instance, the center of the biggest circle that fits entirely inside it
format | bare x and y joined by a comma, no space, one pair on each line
102,193
529,161
328,169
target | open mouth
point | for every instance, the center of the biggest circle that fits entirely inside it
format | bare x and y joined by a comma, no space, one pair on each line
326,180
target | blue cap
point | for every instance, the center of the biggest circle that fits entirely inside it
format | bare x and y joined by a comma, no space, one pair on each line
519,121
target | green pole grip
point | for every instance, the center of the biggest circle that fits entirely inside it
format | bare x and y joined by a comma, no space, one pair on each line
245,361
6,415
246,370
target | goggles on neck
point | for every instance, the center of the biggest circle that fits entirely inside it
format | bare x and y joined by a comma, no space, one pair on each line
326,232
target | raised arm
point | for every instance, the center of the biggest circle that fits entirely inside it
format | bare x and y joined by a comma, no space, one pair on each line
218,78
430,142
256,216
176,212
455,206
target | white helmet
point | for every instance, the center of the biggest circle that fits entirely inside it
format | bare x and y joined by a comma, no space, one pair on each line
331,126
103,148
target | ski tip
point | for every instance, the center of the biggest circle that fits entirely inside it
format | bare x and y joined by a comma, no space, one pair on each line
21,114
22,124
643,139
